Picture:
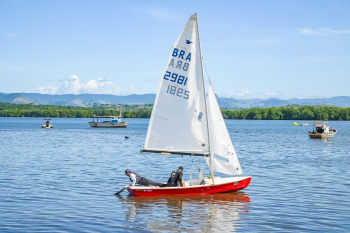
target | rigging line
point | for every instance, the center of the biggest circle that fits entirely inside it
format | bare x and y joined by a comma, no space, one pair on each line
205,68
195,164
148,159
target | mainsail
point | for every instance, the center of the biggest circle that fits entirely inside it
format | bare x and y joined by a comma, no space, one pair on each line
183,120
178,122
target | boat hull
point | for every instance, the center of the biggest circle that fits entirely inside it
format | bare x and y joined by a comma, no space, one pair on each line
320,135
221,185
109,124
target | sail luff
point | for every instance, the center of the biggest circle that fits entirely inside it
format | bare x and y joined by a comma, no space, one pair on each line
203,83
206,109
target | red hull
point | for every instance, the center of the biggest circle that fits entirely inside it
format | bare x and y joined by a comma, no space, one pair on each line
199,189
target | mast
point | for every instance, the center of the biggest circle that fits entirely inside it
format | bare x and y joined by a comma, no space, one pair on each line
205,103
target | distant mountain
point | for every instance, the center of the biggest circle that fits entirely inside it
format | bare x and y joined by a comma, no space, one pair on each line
87,99
75,100
341,101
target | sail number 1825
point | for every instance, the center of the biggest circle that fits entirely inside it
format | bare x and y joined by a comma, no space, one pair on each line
178,91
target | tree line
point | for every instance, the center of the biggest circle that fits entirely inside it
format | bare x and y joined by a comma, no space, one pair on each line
32,110
294,112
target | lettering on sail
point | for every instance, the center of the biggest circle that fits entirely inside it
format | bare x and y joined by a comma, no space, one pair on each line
180,61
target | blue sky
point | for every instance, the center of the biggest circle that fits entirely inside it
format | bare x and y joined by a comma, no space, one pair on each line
251,49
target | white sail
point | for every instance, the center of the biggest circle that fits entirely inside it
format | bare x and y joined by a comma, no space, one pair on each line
178,122
183,120
223,156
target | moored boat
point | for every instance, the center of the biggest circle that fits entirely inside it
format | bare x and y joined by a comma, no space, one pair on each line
108,122
186,120
321,130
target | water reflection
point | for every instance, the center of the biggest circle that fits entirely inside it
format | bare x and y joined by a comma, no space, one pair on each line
217,212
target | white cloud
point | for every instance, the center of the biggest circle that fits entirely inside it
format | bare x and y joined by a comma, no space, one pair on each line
47,90
246,94
321,31
238,95
72,85
101,86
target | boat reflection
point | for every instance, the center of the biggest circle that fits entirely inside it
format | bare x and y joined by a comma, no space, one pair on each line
217,212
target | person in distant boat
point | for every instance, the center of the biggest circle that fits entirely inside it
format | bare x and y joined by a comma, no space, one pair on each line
175,178
135,178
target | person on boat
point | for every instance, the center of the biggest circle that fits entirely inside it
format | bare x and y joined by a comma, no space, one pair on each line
135,178
175,178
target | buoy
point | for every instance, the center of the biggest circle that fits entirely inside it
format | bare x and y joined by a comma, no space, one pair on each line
295,123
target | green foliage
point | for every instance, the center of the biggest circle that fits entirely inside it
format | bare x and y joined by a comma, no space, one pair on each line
31,110
290,113
293,112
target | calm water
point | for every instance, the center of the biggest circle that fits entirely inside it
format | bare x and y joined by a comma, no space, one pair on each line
64,179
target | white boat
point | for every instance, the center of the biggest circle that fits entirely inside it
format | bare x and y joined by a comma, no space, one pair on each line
321,130
108,122
47,124
187,121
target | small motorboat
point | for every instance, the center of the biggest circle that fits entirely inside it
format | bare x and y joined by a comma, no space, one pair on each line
321,131
108,122
47,124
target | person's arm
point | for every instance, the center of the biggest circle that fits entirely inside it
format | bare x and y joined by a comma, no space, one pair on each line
179,178
133,178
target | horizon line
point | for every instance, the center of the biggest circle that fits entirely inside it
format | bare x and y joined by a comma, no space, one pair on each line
156,94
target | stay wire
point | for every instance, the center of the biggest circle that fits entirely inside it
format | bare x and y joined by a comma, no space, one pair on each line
205,68
148,159
195,164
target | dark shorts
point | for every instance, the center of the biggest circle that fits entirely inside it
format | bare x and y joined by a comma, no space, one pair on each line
146,182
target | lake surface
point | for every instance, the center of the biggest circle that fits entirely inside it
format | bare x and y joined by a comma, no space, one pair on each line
64,179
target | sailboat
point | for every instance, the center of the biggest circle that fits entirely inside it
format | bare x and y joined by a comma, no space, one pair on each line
187,121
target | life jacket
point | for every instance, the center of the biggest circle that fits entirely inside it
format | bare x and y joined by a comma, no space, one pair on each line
171,179
138,177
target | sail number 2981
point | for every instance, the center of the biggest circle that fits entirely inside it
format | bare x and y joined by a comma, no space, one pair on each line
178,91
173,77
